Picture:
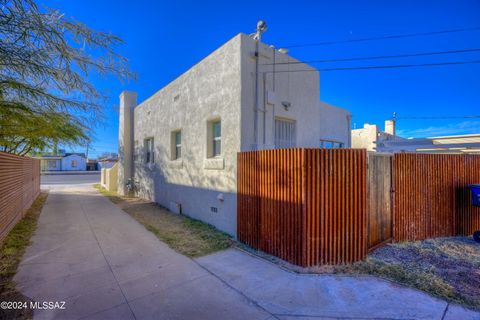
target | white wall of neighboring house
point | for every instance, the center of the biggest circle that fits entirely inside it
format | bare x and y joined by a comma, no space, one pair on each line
221,87
366,137
105,164
372,138
50,163
74,163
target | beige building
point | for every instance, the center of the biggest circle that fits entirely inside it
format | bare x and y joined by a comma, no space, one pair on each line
370,137
180,145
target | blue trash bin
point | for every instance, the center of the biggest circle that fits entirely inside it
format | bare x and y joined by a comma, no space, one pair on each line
475,194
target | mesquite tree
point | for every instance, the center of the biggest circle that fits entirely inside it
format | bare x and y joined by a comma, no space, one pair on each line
46,96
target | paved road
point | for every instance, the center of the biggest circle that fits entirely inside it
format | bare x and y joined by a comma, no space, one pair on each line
69,179
104,265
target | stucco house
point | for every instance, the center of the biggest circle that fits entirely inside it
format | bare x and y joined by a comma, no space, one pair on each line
63,162
372,138
180,145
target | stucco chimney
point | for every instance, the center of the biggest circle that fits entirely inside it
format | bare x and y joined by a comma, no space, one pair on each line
128,101
390,127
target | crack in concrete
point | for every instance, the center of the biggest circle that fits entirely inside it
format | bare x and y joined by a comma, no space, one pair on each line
236,290
445,311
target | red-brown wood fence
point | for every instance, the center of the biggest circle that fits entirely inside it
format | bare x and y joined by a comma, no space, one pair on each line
20,186
431,195
306,206
315,206
379,200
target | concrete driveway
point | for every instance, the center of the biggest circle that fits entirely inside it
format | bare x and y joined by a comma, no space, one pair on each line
104,265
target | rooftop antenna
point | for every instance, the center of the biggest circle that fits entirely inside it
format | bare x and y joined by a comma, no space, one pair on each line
261,28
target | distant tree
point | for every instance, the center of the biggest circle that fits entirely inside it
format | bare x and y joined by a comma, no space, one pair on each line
46,96
107,155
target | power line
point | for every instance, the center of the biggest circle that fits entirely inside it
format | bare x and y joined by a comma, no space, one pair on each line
381,67
437,117
377,57
398,36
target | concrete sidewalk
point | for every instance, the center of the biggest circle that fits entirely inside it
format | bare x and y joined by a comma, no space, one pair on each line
104,265
288,295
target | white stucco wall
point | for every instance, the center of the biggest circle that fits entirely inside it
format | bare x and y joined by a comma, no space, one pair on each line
45,164
209,90
370,137
80,161
366,137
220,87
292,82
128,101
334,124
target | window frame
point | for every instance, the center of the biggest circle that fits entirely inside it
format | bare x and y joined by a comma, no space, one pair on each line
281,143
175,147
73,163
334,144
214,138
149,150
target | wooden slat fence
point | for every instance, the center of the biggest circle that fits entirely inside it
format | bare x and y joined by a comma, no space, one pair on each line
379,200
20,186
432,198
306,206
319,206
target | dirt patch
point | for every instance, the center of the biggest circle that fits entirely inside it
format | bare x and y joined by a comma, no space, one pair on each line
448,268
12,249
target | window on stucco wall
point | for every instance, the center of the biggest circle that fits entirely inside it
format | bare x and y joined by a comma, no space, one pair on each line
176,145
149,150
285,133
214,138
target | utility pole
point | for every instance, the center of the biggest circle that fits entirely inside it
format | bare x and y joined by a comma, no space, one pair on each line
257,36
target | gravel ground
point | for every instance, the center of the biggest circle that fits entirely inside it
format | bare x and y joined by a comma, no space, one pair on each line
448,268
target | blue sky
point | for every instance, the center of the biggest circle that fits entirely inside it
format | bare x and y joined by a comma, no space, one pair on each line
164,38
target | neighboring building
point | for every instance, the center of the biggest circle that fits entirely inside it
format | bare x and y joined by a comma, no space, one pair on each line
64,162
92,165
50,163
456,144
372,139
106,163
74,162
181,144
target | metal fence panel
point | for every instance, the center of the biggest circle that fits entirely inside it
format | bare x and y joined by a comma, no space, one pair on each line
19,187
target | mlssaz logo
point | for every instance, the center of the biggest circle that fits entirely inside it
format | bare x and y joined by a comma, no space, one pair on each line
47,305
